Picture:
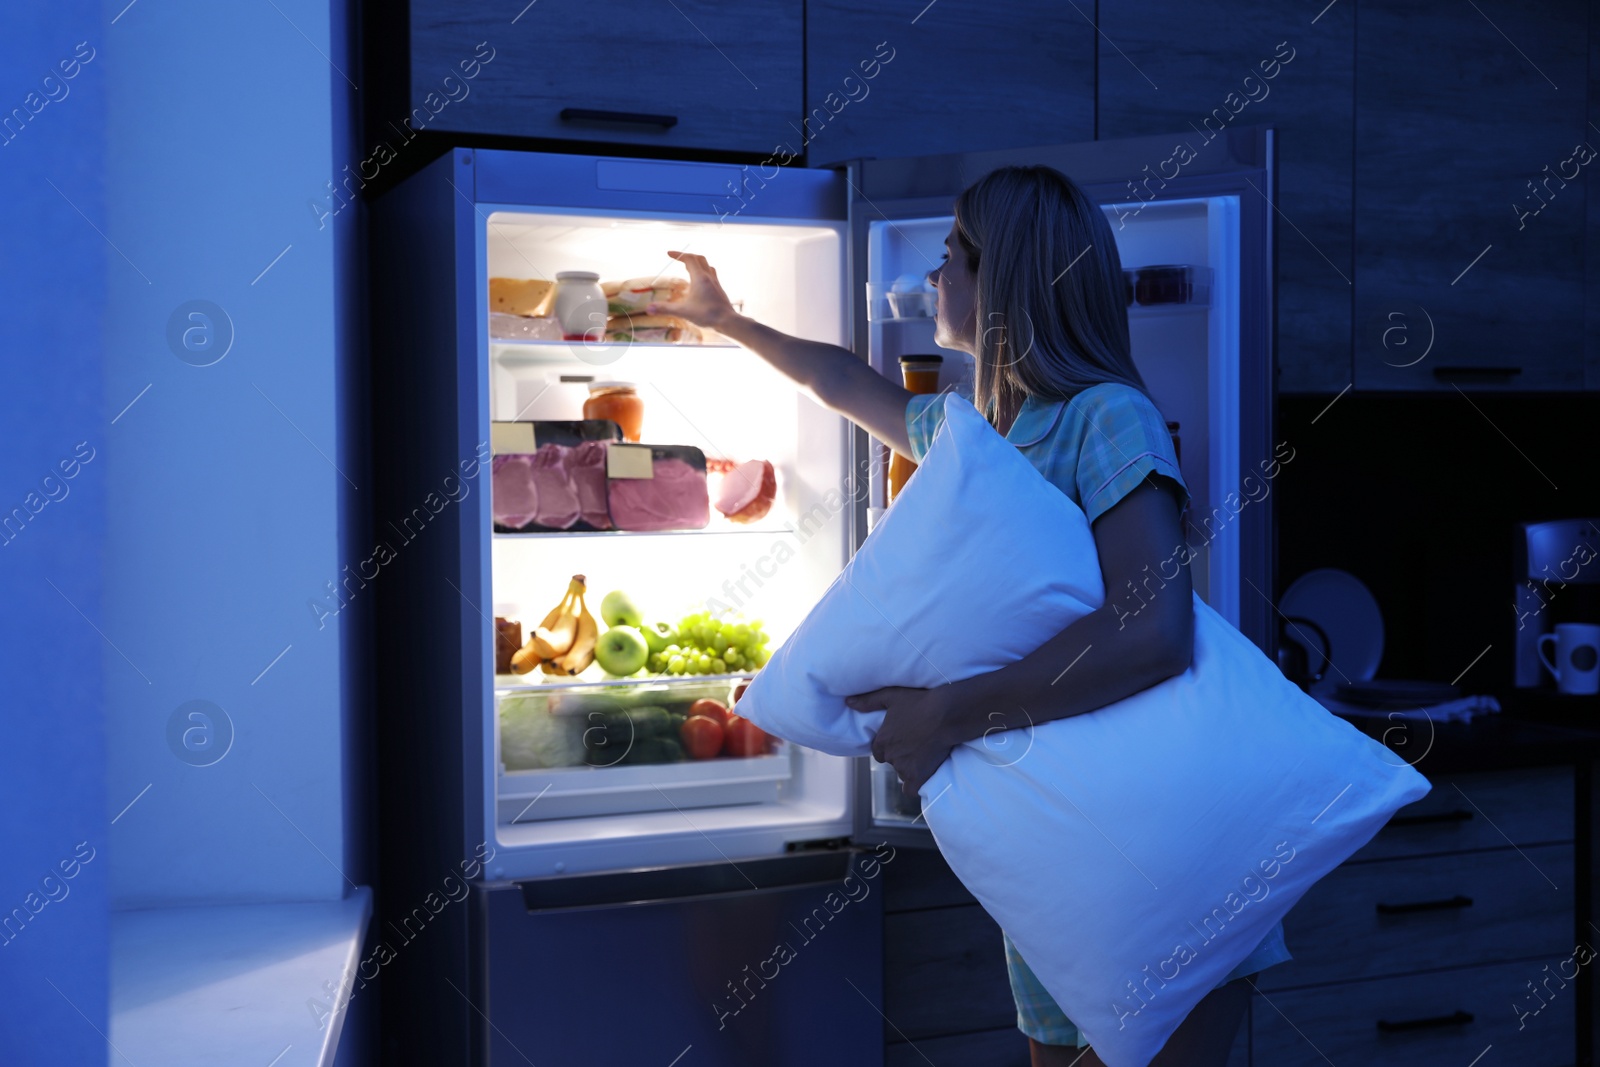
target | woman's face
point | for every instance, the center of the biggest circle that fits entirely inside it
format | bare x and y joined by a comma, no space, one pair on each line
955,283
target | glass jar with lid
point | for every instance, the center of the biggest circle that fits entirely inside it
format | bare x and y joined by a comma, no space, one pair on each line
619,402
921,374
580,306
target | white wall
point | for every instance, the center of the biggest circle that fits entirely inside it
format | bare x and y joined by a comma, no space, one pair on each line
224,493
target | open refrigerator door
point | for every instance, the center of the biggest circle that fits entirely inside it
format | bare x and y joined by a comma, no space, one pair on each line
665,510
1195,265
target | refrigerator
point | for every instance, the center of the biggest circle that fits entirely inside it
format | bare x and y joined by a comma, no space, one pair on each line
724,909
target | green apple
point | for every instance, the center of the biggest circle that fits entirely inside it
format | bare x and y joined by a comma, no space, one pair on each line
658,635
617,610
621,651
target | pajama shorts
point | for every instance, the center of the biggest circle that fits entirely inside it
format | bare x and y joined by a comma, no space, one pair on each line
1042,1019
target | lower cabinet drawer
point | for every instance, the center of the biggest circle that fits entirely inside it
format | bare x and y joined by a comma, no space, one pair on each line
1444,1018
944,973
1487,809
1369,920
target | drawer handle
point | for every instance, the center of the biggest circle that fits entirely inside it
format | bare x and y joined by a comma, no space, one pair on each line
1476,372
641,118
1457,901
1455,1018
1458,815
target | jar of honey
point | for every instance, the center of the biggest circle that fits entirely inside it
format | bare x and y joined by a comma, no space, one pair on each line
619,402
921,375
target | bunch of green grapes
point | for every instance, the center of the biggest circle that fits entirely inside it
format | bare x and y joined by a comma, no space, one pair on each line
707,645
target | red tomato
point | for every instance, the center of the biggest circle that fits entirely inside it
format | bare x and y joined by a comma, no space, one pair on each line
711,709
738,691
702,736
745,738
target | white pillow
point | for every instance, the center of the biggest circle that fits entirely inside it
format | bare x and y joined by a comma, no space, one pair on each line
1135,854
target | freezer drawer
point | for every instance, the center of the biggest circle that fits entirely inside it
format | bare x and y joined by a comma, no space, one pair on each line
776,961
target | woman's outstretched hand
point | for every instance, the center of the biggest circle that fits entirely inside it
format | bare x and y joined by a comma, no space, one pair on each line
705,304
913,737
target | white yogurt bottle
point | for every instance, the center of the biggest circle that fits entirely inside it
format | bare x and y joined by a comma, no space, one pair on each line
580,306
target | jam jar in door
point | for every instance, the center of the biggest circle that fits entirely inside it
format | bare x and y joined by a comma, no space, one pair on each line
921,375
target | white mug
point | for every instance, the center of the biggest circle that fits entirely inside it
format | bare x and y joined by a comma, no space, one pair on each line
1577,660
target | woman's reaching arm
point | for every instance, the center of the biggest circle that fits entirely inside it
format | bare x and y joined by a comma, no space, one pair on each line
835,376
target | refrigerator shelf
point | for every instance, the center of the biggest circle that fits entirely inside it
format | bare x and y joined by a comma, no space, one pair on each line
712,531
511,683
582,792
540,353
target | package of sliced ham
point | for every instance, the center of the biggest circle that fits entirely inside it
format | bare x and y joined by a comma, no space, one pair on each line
551,475
656,487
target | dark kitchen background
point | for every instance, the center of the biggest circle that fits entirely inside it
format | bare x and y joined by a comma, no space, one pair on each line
1437,348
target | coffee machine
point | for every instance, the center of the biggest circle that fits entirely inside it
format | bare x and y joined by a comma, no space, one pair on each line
1556,570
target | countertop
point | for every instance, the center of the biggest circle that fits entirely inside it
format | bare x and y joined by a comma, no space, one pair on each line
1531,730
234,984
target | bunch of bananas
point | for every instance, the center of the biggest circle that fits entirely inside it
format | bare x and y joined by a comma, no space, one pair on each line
564,642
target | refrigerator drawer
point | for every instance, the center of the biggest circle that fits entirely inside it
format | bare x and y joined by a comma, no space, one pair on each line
776,961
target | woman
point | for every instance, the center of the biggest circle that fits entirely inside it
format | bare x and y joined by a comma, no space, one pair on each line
1031,285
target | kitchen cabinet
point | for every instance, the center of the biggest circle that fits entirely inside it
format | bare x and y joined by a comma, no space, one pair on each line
947,999
1415,948
945,993
1470,205
1210,66
692,74
962,77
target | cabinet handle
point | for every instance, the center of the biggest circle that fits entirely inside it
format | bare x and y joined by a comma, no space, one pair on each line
641,118
1455,1018
1458,815
1475,372
1457,901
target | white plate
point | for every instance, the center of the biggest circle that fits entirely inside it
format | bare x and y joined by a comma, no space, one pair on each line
1338,602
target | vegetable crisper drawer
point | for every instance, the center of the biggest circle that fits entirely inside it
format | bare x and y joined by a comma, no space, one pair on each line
775,961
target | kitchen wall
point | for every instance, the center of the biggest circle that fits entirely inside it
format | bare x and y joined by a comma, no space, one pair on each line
1419,497
54,839
231,476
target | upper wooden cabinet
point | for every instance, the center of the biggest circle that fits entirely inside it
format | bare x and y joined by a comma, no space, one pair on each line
1197,67
1469,185
951,78
685,73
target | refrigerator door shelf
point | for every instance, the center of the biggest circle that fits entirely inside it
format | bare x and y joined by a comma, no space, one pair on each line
577,792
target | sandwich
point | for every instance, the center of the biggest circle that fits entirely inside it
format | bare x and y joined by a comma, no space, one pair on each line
635,294
659,329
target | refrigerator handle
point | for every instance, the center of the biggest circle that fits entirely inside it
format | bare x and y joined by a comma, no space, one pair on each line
651,884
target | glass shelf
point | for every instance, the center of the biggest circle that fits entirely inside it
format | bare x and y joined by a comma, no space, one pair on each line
510,683
531,353
713,531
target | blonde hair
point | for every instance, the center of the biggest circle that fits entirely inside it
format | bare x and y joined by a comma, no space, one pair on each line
1050,304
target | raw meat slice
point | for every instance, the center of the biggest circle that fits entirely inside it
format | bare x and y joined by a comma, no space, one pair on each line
558,500
586,466
674,499
515,499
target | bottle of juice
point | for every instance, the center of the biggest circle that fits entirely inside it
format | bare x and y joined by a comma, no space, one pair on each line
921,374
